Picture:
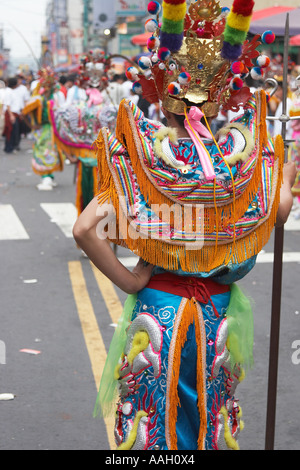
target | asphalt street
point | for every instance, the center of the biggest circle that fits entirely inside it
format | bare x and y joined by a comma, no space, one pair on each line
57,320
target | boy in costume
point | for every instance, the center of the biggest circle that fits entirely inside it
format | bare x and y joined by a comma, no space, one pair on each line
75,127
197,210
46,159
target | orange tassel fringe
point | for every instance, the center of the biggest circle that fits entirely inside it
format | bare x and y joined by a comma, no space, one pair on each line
78,202
227,214
37,106
172,256
188,316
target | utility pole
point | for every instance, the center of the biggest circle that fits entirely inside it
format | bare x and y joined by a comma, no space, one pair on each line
86,5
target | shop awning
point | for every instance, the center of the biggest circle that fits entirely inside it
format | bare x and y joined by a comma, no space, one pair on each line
141,39
295,40
273,19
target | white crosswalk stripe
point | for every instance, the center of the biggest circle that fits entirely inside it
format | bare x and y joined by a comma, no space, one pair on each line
292,225
11,228
288,257
62,214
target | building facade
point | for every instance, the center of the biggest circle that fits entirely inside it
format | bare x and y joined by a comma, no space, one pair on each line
4,57
57,30
76,26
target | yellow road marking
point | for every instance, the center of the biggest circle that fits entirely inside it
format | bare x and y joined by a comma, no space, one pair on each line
109,295
93,339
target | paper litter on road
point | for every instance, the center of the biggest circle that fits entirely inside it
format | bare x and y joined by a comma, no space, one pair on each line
7,396
30,281
30,351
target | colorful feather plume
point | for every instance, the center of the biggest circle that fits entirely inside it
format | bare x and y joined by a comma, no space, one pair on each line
172,30
236,29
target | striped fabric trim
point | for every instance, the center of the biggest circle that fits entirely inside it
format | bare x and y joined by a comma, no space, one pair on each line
189,190
115,147
126,180
123,171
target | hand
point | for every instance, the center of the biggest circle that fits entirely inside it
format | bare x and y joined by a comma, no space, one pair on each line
101,254
142,274
72,159
289,173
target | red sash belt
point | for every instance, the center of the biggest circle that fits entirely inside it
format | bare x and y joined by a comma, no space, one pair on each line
189,287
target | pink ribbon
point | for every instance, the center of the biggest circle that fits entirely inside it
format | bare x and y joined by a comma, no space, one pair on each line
194,126
95,97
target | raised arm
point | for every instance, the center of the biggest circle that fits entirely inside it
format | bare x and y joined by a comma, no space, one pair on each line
89,234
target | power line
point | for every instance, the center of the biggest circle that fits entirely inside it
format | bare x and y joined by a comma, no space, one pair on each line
11,7
31,12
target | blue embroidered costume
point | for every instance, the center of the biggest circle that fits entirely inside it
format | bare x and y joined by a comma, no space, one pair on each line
183,321
199,209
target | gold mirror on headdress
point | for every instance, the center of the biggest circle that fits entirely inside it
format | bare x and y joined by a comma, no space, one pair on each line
194,53
202,58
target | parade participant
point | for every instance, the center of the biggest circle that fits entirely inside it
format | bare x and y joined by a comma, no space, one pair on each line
11,119
2,94
21,96
76,127
278,112
196,209
75,93
46,160
116,91
62,85
294,150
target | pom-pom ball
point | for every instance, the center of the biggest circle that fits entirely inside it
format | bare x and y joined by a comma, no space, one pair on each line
151,26
155,59
263,61
137,88
256,73
174,89
132,73
236,83
231,51
268,37
152,43
237,67
154,8
145,63
225,11
184,78
164,53
245,73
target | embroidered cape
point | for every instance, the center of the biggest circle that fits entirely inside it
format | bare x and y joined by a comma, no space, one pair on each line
167,213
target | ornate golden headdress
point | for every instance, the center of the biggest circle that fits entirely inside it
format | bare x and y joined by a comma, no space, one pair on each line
93,69
200,55
47,81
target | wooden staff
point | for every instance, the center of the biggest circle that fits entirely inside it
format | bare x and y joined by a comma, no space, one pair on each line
277,276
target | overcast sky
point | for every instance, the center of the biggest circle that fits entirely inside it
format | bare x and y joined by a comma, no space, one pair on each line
23,20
